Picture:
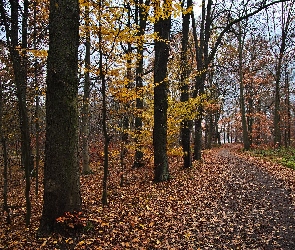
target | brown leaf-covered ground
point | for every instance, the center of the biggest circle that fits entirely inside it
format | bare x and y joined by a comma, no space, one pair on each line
230,201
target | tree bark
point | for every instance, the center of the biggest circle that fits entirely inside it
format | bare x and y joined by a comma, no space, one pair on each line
246,140
185,128
201,47
37,109
162,28
86,95
288,111
102,75
138,161
61,169
5,160
19,63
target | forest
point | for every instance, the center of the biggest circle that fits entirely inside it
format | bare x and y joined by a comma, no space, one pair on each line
147,124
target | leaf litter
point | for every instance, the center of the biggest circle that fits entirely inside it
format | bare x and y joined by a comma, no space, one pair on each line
231,200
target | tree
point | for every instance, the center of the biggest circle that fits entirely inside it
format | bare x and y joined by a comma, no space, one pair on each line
61,169
102,74
286,19
5,158
18,56
185,129
202,50
162,29
206,53
142,22
241,40
86,95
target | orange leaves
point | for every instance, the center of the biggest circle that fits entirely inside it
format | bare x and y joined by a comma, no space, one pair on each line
231,200
72,220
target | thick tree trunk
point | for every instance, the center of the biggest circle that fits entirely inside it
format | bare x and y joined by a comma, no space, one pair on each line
61,169
162,27
198,139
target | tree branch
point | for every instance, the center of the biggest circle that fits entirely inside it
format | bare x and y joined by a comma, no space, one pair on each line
229,26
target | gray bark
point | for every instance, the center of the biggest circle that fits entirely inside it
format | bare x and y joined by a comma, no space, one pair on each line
61,169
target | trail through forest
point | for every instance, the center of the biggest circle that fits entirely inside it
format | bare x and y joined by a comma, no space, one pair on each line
230,201
254,206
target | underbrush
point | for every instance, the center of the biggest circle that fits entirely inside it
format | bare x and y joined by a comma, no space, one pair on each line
284,156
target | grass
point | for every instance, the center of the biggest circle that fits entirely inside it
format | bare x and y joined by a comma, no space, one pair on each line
284,156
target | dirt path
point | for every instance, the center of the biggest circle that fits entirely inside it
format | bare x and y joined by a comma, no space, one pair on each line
253,209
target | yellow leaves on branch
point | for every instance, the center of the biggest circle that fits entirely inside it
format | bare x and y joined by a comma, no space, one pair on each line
180,111
124,95
167,8
177,112
39,53
42,53
178,10
84,3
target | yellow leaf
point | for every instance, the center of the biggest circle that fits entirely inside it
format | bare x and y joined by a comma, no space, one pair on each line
89,241
69,241
82,242
44,243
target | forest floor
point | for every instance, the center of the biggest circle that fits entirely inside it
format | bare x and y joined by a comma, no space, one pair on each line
231,200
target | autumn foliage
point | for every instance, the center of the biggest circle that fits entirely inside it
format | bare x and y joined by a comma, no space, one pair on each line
155,85
218,203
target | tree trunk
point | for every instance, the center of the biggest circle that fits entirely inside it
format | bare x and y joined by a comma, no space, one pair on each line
104,198
287,18
201,47
85,109
162,28
250,118
185,128
277,117
209,130
5,159
61,169
288,111
246,140
37,110
27,150
19,63
138,162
